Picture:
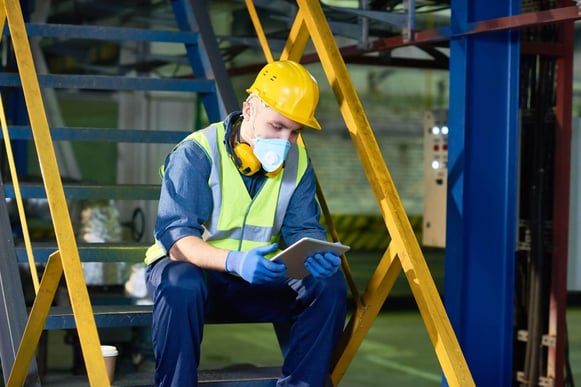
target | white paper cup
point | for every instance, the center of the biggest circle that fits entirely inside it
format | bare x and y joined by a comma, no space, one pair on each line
110,354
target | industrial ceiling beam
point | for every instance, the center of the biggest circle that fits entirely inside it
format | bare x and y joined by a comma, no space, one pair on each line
434,36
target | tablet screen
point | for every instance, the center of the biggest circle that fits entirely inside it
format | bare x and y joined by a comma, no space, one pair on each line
295,255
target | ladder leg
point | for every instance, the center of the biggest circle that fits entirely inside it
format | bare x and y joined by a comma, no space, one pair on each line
37,319
406,246
13,312
68,251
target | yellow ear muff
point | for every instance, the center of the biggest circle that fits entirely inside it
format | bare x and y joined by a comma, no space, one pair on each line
246,161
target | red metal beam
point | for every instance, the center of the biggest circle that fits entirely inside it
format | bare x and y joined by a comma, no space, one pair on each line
399,62
557,15
530,19
561,193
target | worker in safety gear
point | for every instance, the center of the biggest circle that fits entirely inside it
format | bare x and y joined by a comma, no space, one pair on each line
232,195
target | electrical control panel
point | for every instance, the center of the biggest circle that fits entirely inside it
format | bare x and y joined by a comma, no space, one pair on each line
435,177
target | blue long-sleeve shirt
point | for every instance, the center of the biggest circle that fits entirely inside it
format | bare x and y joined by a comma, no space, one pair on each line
185,202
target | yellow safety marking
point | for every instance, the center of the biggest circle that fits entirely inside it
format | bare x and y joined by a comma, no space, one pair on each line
404,244
71,263
259,30
19,201
37,319
362,232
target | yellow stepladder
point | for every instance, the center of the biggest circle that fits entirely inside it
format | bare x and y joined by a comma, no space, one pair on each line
66,260
403,251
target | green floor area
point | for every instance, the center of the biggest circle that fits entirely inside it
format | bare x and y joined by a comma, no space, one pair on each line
396,351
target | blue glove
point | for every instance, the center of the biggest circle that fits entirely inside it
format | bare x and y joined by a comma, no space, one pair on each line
254,267
323,265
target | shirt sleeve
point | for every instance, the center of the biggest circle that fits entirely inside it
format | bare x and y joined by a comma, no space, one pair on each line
303,215
185,201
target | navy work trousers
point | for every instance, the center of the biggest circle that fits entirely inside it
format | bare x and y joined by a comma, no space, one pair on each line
185,297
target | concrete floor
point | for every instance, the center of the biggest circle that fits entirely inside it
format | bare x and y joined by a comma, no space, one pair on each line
397,349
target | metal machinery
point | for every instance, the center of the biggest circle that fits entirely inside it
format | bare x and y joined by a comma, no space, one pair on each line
482,214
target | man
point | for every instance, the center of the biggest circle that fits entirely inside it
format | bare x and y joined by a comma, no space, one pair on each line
231,195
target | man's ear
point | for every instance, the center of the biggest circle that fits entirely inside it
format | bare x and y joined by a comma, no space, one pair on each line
246,110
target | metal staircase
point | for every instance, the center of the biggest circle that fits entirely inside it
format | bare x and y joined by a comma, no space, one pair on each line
208,79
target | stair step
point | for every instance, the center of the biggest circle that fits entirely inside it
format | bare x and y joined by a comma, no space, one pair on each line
110,33
109,82
106,316
23,132
239,375
122,313
87,191
89,252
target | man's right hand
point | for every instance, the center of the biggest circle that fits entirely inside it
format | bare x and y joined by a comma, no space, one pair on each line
254,267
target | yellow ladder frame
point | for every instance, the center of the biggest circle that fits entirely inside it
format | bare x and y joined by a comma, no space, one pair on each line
403,251
66,260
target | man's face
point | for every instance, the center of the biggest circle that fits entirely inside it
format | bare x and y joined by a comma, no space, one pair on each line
268,123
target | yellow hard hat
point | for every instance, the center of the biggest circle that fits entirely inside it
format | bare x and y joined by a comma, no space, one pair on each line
288,88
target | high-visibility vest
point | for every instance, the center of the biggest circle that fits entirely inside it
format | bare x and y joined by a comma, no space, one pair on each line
238,221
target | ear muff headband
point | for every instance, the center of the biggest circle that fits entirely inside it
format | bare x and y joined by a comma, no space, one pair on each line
241,153
245,159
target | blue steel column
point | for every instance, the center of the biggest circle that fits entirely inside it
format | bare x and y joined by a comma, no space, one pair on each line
482,196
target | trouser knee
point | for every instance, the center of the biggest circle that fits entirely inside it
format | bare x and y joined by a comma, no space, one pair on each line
177,282
333,290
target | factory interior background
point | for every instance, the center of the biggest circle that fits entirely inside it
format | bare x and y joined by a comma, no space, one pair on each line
402,105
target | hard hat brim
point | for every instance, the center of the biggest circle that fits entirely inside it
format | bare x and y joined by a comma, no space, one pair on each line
311,123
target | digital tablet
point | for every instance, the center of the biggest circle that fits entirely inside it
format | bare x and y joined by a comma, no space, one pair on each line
294,256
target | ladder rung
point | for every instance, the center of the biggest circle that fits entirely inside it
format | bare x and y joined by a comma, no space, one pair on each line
75,191
89,252
108,82
22,132
69,31
106,316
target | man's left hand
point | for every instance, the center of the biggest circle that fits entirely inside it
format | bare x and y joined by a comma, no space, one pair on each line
323,265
